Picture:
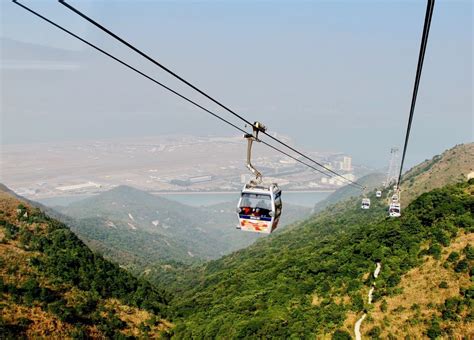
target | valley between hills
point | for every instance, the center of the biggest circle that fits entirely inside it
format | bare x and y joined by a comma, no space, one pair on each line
68,275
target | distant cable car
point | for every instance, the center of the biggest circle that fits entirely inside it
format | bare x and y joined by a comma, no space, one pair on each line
365,203
260,204
394,210
378,193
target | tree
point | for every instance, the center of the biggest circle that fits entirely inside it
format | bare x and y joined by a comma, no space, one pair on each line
341,335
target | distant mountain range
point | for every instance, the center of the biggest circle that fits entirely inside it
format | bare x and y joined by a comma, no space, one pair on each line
314,279
142,231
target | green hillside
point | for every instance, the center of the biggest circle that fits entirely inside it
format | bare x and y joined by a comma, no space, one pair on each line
155,237
150,228
306,281
52,285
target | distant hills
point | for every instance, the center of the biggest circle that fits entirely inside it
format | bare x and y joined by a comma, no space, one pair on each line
452,166
52,285
146,232
371,181
310,280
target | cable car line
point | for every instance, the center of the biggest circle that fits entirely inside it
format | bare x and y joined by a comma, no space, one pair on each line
154,61
166,87
421,57
163,86
394,209
128,65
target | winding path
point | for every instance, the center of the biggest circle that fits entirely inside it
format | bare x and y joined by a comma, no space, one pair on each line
358,336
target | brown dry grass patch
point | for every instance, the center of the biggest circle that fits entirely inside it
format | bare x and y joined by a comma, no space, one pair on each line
15,269
43,325
420,287
133,317
454,166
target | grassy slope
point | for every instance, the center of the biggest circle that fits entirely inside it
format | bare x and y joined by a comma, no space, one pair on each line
451,166
305,281
423,298
52,285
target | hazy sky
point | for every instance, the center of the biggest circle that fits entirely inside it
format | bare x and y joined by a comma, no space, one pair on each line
332,75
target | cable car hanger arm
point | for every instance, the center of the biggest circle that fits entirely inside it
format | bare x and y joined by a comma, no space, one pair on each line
152,60
251,137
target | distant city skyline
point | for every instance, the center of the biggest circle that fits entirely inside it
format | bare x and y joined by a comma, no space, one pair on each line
333,76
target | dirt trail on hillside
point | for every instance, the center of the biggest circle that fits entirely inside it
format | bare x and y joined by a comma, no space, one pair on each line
357,325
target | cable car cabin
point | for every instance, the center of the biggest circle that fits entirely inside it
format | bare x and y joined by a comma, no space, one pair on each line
259,208
378,194
365,203
394,210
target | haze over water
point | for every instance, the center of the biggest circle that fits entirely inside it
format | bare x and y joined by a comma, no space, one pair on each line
331,75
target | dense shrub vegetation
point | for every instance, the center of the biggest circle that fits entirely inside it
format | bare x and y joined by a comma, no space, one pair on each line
269,287
297,283
59,262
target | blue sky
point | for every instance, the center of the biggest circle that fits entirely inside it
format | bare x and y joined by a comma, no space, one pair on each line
333,75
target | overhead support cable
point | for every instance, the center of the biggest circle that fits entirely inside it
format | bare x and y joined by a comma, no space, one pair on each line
421,57
157,63
162,85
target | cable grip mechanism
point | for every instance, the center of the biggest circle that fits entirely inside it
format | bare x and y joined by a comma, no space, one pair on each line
251,137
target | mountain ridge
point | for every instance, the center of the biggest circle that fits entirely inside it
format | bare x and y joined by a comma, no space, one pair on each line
53,285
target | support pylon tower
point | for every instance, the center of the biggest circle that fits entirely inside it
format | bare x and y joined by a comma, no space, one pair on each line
392,167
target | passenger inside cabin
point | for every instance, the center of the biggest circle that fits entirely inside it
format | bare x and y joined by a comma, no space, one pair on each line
257,205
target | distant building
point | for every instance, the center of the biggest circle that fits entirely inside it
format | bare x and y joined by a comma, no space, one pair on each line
79,186
287,160
336,181
200,179
180,182
25,191
347,163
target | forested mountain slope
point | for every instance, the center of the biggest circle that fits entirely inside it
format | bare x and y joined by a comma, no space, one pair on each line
452,166
141,225
52,285
154,236
306,281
